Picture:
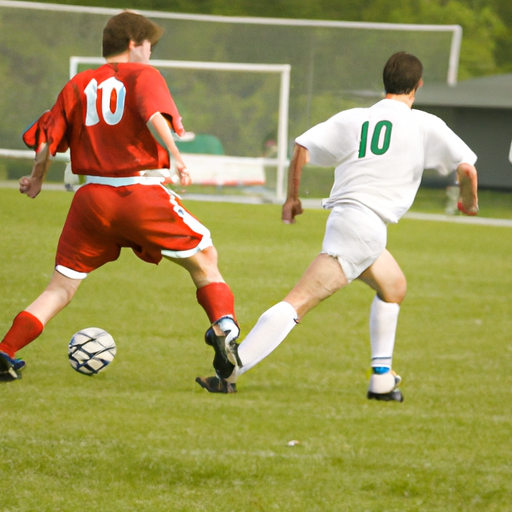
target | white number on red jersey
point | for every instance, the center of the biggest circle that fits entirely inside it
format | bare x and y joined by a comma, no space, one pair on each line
107,87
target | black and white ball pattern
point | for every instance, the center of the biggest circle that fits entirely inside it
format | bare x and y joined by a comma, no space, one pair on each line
91,350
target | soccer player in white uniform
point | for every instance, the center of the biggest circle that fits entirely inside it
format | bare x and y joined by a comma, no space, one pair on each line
380,154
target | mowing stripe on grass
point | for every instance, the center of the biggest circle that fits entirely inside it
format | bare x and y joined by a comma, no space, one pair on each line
311,204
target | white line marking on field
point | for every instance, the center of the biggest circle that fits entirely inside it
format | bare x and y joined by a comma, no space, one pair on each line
507,223
435,217
309,204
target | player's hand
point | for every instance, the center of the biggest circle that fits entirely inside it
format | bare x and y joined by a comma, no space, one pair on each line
468,189
30,186
291,208
471,210
185,179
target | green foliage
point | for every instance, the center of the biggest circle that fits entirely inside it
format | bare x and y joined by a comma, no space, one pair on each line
143,436
504,39
487,40
32,70
481,27
240,110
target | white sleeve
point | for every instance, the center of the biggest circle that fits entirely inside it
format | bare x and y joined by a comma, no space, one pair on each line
444,149
330,142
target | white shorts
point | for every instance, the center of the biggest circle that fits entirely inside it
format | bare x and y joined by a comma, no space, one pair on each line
356,236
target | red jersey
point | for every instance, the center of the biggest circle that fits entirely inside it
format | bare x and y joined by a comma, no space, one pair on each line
101,115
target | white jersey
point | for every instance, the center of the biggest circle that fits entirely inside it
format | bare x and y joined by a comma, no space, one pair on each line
380,154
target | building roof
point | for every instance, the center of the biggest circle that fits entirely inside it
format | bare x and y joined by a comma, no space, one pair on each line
485,92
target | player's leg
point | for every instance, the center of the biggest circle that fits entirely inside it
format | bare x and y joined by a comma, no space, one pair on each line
217,299
29,324
354,239
181,238
385,277
322,278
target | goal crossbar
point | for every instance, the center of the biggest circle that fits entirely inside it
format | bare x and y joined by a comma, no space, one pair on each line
455,30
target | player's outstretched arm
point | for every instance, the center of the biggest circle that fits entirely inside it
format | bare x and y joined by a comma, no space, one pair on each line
468,185
160,129
292,206
31,185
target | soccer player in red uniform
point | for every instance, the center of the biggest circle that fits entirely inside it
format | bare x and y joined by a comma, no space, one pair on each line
116,121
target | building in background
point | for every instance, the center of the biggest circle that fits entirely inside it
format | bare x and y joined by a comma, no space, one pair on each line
480,111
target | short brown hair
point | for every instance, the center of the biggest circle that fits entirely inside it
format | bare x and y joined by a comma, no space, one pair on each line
402,73
125,27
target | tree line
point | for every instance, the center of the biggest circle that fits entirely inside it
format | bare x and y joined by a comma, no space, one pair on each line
487,24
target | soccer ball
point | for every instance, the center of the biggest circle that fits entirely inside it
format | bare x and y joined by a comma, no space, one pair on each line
91,350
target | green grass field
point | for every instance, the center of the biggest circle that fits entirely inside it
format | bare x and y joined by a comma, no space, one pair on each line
144,437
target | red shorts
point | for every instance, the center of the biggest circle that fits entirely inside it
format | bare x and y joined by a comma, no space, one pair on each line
149,219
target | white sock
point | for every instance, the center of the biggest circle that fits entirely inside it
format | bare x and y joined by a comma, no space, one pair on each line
383,322
270,330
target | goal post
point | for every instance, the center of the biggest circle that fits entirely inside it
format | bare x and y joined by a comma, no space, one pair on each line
323,67
283,70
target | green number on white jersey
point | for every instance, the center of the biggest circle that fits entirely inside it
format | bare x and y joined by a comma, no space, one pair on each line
380,139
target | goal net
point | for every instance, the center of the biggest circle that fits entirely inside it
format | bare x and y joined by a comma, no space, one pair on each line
224,145
229,76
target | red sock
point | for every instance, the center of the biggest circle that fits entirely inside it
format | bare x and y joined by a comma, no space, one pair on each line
217,300
24,329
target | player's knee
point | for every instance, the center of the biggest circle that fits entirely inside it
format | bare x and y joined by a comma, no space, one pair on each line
66,293
63,288
396,291
208,258
203,267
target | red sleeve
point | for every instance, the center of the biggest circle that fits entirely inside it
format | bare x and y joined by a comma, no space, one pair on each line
160,99
51,128
35,134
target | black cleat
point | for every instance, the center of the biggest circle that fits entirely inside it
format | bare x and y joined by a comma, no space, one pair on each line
216,384
10,368
226,352
395,395
383,386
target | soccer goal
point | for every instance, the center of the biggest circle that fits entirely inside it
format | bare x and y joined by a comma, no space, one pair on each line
245,86
207,164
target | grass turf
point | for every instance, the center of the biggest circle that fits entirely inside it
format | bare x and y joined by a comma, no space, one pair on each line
143,436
